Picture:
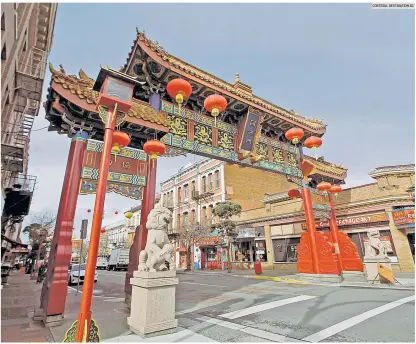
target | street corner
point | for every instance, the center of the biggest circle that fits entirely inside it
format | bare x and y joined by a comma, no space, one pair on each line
281,279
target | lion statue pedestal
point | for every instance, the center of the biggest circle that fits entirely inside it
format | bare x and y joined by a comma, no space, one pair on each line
154,284
375,252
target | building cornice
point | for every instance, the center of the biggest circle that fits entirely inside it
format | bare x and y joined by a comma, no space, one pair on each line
391,170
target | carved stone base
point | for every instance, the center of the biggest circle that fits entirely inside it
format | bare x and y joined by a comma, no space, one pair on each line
372,269
153,302
320,278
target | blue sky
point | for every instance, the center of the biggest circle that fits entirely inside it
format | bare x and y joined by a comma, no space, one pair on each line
347,64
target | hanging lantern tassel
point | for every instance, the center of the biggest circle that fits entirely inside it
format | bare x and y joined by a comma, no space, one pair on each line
215,104
179,89
154,148
313,142
120,140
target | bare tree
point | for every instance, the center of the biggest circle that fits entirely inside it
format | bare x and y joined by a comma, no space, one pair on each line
226,227
187,235
102,249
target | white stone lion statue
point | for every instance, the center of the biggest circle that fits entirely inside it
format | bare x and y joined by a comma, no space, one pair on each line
158,248
375,248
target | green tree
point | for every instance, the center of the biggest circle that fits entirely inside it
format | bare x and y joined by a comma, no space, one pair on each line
225,226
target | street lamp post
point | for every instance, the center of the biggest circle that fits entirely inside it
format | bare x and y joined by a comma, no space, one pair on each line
116,92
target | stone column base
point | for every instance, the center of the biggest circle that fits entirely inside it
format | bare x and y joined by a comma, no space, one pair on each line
153,302
372,269
48,320
320,278
354,276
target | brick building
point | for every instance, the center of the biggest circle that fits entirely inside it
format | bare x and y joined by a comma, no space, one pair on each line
26,38
385,204
193,192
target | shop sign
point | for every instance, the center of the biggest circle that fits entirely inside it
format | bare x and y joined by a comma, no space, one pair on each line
352,221
246,233
403,216
207,241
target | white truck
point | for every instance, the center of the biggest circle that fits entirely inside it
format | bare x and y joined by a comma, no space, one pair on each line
119,259
102,263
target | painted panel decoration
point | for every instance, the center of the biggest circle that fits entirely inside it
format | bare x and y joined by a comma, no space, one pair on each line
221,141
404,217
320,204
250,130
127,172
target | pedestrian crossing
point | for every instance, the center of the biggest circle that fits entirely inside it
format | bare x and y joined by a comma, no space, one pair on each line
305,318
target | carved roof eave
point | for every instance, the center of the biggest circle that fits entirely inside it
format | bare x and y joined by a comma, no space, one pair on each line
180,67
325,168
79,92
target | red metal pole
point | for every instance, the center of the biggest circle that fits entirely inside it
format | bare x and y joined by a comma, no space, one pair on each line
334,231
84,315
55,286
140,235
310,223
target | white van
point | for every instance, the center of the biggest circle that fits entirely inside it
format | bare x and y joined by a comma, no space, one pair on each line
102,263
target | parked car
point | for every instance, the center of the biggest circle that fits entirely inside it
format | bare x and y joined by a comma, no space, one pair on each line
102,263
119,259
74,271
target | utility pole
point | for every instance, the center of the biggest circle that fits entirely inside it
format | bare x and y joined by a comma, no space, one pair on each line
84,226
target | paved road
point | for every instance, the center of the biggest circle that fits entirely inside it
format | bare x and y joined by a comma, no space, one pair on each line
237,309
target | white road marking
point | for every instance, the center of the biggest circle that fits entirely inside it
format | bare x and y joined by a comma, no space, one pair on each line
116,299
103,297
210,285
343,325
265,306
249,330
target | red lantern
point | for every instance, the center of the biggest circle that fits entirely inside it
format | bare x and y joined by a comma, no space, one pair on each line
154,148
215,104
116,212
324,186
294,193
313,142
120,140
103,230
89,210
179,89
294,135
335,189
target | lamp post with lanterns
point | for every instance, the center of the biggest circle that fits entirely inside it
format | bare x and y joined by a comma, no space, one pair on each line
114,101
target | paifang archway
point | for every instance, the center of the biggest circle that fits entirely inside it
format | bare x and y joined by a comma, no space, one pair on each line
250,132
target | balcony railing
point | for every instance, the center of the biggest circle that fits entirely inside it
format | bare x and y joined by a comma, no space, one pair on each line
24,182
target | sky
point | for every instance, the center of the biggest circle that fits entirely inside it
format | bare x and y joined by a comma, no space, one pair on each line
348,64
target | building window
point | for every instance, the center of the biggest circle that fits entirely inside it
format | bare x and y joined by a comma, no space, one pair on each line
204,184
210,185
3,23
3,52
285,250
217,179
185,191
193,187
178,221
204,216
211,209
193,216
185,220
179,195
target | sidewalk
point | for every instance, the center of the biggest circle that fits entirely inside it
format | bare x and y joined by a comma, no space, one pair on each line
18,300
406,280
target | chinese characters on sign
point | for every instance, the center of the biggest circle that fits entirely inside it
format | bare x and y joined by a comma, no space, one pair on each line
249,133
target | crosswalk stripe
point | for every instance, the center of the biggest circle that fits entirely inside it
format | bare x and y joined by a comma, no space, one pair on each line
343,325
265,306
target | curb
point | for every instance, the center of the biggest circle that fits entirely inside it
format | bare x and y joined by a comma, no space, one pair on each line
281,279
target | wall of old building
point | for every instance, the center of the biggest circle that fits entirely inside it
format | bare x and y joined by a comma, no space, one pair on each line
247,186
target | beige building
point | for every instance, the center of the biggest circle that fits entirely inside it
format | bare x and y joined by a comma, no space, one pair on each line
386,205
26,37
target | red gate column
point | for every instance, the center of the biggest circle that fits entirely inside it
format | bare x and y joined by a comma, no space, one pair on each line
310,223
334,232
55,286
140,236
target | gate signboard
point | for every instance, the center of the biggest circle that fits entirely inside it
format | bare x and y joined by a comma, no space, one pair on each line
127,172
